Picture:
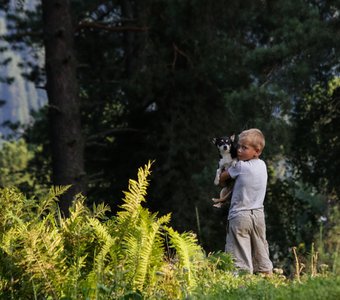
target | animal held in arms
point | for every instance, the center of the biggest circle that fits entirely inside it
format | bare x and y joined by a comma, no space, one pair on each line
227,148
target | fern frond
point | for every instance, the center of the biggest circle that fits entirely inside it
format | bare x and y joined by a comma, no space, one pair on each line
144,248
104,238
127,219
74,275
100,230
99,211
78,207
136,193
42,256
13,205
78,214
188,251
49,202
78,237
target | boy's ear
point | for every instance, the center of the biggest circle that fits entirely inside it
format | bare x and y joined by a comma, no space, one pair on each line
258,151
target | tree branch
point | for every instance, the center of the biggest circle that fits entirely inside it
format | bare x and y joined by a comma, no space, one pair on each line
83,25
112,131
100,26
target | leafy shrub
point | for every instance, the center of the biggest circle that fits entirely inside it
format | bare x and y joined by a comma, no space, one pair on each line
89,256
134,255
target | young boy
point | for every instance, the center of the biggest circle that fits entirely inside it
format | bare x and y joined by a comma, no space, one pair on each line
246,233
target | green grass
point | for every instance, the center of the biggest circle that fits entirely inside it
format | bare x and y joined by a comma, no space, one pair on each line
325,288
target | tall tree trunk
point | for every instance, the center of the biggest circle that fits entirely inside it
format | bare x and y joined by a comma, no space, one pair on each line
62,90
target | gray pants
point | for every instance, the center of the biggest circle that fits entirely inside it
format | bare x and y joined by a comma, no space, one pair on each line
246,241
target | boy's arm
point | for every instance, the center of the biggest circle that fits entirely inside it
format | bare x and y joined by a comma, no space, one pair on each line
224,178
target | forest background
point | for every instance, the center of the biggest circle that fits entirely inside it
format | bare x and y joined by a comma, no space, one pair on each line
133,81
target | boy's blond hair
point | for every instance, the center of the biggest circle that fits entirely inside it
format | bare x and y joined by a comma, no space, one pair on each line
254,137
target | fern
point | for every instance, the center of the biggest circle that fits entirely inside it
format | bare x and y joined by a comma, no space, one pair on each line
49,202
142,245
14,205
106,241
34,241
188,252
74,276
41,255
135,195
99,211
75,229
140,235
87,255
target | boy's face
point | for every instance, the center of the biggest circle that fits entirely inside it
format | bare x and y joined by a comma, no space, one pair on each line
246,151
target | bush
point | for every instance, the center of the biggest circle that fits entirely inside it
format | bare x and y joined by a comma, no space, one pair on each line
133,255
89,256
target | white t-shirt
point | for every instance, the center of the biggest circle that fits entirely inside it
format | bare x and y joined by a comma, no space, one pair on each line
250,186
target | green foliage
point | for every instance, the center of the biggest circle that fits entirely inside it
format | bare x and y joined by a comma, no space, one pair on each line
141,235
328,241
316,148
291,217
133,255
200,69
14,159
317,124
88,255
16,167
188,252
313,288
